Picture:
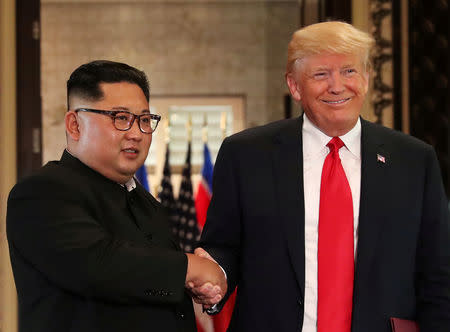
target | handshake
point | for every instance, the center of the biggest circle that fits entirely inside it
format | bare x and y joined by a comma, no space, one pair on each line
205,280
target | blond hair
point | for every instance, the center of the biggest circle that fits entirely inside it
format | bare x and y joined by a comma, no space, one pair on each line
332,37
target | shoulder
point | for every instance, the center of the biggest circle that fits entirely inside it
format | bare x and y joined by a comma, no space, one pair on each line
393,138
53,178
266,134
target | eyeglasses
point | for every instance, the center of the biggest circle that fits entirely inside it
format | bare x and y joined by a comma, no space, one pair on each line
123,120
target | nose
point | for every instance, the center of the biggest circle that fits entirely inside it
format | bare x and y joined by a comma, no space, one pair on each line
335,84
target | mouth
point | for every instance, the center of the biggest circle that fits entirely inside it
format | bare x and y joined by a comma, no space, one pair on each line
131,151
336,102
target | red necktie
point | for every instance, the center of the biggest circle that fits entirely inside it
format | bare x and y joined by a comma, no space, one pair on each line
335,248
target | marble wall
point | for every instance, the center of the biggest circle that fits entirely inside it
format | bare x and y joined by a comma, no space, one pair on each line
207,47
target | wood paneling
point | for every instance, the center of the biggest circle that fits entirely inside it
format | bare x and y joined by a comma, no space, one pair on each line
29,156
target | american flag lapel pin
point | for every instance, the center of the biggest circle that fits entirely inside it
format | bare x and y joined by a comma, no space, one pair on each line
381,158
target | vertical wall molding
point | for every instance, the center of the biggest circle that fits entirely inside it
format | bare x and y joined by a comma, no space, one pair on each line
382,96
8,301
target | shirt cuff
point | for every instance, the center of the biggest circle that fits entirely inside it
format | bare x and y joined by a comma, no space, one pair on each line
213,310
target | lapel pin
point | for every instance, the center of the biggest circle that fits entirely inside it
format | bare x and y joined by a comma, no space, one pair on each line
381,159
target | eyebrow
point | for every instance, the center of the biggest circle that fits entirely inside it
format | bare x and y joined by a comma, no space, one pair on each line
328,68
323,68
123,108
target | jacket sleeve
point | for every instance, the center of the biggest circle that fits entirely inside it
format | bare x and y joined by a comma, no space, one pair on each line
222,231
51,230
433,255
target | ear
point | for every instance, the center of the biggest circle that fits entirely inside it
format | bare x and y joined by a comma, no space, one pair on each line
366,83
294,88
72,125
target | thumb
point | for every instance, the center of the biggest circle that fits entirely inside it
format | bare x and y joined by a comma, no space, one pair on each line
203,253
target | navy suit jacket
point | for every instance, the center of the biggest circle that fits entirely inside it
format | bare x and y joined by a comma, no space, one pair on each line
89,256
255,230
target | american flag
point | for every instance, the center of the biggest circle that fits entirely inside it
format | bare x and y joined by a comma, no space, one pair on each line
204,192
187,228
381,158
204,322
166,194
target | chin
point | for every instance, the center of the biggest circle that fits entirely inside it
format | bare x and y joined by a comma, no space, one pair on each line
129,171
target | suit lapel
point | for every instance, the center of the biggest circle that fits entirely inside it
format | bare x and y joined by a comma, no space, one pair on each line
153,221
142,217
288,183
375,160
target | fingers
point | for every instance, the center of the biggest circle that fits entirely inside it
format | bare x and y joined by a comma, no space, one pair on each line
206,290
209,302
207,294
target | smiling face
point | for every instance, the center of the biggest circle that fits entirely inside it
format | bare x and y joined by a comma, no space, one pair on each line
94,140
331,89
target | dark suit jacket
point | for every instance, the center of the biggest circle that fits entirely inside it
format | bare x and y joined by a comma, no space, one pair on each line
89,256
255,230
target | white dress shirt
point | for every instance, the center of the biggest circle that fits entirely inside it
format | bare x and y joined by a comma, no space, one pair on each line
130,184
314,154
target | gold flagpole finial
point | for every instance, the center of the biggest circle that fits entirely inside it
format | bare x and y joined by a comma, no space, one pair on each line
167,130
189,128
223,124
205,129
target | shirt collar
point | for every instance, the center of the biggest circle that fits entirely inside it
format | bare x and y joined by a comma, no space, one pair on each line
130,184
352,140
316,140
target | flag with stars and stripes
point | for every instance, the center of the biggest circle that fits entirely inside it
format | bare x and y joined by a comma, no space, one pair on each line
166,194
204,192
204,322
187,227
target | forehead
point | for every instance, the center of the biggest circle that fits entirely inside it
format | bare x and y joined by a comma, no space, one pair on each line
122,95
121,91
330,61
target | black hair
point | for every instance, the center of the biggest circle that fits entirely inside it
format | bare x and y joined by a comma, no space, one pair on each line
85,80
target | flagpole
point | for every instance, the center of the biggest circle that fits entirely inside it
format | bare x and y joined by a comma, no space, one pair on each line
223,124
189,128
205,129
167,130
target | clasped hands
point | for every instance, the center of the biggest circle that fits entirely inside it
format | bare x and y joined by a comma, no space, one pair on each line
205,279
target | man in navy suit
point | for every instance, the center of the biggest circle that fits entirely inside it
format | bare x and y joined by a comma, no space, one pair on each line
263,222
90,247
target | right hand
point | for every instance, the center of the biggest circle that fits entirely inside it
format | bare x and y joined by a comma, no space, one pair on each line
205,280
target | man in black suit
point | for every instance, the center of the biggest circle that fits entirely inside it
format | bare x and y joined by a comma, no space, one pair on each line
264,222
90,248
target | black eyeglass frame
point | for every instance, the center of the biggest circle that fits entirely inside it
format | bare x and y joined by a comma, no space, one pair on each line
113,115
